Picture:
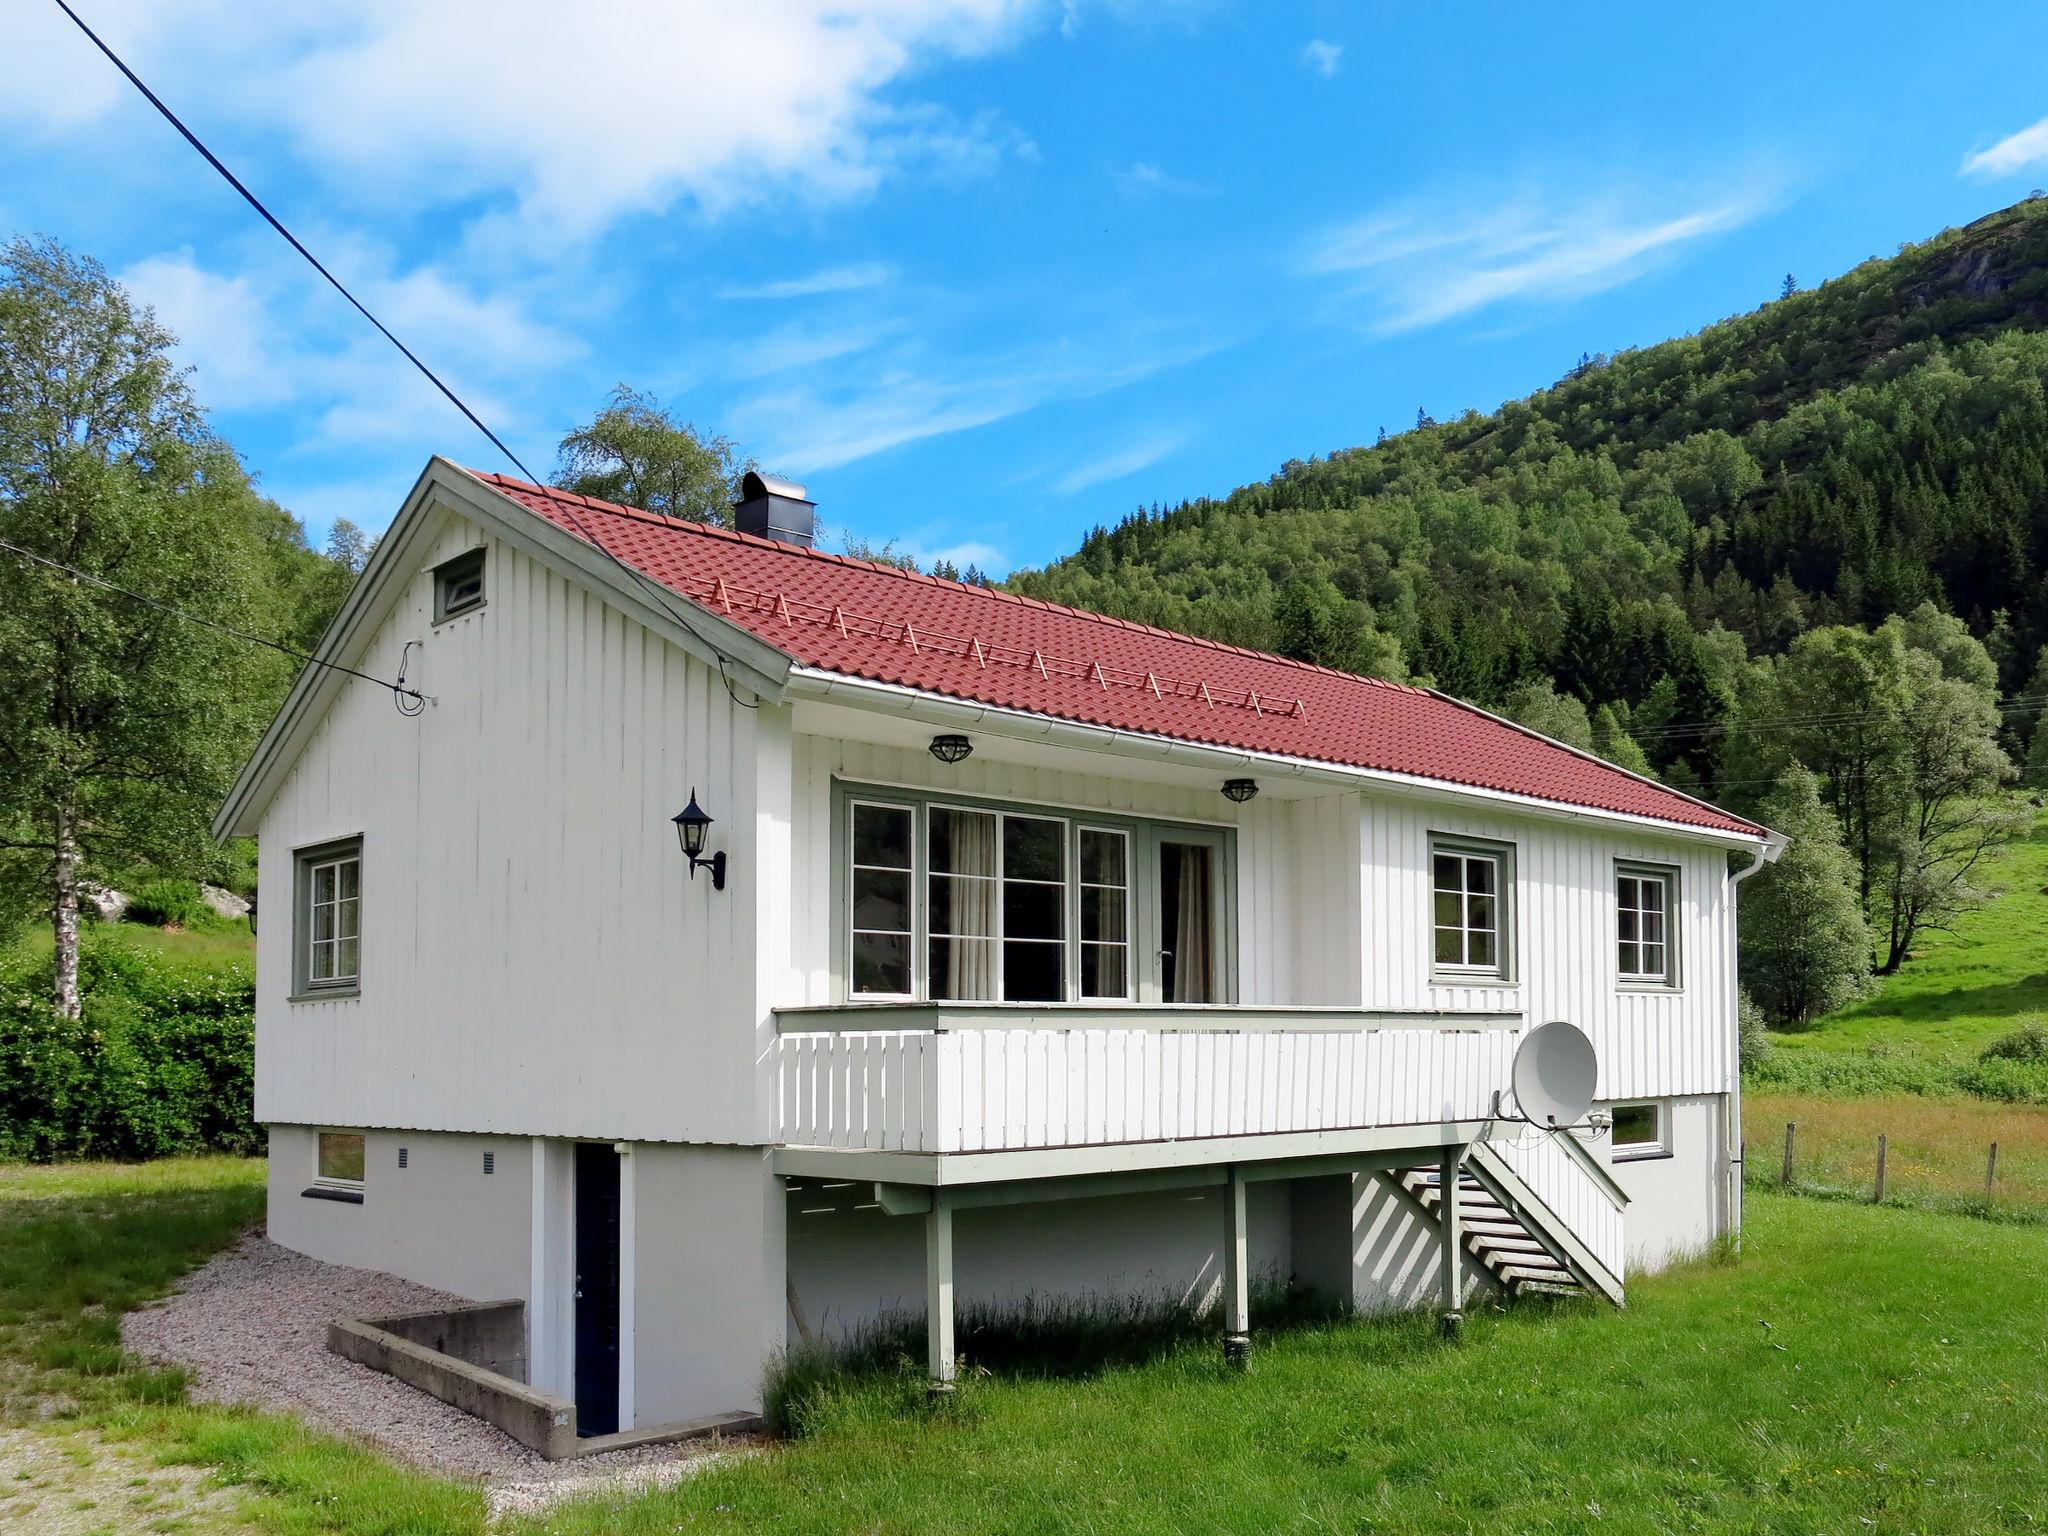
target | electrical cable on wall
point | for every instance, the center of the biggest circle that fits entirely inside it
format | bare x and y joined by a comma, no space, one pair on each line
655,590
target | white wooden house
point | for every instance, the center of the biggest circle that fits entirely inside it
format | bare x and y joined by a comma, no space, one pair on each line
1044,954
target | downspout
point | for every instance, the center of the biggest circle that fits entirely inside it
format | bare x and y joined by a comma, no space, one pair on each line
1731,1102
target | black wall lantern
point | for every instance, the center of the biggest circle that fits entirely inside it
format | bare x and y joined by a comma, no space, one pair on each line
1240,790
692,825
952,749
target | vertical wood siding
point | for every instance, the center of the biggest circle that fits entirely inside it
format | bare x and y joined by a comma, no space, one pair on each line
989,1090
1651,1043
535,959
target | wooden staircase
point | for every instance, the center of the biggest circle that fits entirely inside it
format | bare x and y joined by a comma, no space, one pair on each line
1519,1260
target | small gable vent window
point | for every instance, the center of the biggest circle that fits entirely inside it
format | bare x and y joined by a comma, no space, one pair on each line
490,1162
458,586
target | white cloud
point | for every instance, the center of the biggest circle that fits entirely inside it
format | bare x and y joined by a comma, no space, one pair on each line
2010,155
1118,462
610,107
869,274
274,338
812,426
792,346
1417,267
582,113
223,329
1143,179
1322,58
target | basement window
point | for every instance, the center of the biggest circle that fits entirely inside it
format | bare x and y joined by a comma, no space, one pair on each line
1638,1131
337,1167
458,586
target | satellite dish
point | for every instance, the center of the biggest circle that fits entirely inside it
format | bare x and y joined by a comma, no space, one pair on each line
1555,1074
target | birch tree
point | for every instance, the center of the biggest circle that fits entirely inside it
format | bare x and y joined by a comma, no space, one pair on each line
120,725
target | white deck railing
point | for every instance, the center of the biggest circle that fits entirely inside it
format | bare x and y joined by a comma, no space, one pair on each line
1583,1196
996,1088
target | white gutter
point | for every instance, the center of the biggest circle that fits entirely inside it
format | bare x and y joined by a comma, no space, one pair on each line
1731,1103
818,684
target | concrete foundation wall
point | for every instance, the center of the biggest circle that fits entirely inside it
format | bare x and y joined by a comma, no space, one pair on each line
851,1264
1674,1198
438,1221
708,1292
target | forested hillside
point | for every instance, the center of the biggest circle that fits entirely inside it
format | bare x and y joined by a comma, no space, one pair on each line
1639,530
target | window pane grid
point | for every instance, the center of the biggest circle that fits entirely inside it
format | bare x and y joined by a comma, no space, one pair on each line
1466,911
334,919
1642,953
882,916
1105,914
1013,906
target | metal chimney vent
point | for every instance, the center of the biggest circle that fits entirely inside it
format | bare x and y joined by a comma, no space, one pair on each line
775,509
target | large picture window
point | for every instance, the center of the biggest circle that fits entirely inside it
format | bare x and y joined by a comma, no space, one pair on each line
952,901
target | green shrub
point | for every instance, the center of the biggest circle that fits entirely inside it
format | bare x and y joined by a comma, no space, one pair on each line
2027,1043
161,1063
1753,1041
167,904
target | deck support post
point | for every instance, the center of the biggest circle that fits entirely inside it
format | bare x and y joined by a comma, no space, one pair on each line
1237,1299
938,1294
1452,1229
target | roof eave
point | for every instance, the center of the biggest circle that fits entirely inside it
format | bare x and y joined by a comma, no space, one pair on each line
943,709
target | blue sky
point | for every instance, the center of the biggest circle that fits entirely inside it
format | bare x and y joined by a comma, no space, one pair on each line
983,273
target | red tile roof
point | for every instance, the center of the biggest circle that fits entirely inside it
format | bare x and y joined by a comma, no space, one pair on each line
870,621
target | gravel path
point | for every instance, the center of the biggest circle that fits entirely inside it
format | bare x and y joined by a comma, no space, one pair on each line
252,1327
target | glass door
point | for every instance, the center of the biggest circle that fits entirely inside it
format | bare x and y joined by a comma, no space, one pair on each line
1190,921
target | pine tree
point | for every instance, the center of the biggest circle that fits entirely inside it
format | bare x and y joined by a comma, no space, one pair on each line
1804,945
1790,287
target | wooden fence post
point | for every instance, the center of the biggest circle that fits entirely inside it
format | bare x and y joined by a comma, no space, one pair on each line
1878,1198
1990,1170
1789,1132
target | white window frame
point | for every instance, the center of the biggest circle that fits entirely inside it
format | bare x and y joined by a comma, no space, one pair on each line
1666,877
1632,1151
326,1181
308,864
915,871
1136,834
1501,970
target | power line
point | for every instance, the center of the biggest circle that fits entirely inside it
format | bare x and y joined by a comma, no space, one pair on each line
659,593
399,691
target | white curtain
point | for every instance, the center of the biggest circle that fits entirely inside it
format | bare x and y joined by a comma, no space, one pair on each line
1194,947
964,967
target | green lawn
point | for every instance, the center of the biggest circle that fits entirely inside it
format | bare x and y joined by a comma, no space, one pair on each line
95,1433
1960,990
1858,1370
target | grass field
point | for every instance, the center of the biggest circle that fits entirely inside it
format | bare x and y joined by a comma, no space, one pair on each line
1853,1372
219,944
1960,990
1935,1155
